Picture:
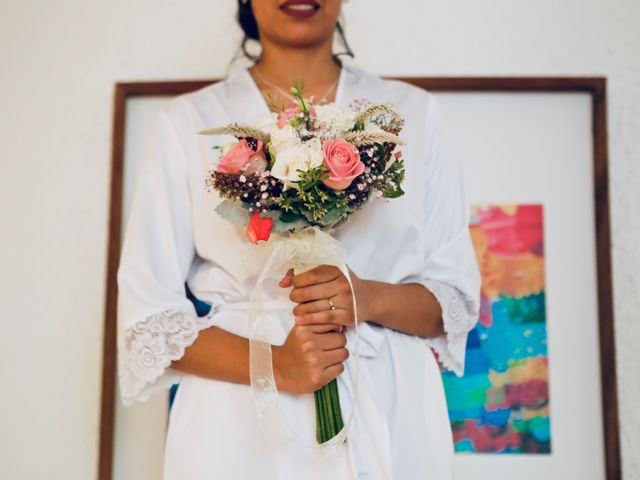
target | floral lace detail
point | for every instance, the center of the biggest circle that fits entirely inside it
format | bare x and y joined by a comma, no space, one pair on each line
147,349
459,314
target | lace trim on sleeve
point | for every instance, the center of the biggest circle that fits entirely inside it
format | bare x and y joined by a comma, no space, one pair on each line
459,315
147,349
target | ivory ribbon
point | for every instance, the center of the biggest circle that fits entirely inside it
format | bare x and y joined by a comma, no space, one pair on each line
304,249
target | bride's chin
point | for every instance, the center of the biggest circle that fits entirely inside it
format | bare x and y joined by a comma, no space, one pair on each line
301,41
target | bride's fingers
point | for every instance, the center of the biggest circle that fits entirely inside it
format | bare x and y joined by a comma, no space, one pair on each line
340,301
311,307
332,372
335,317
323,328
319,274
337,355
317,291
331,341
287,280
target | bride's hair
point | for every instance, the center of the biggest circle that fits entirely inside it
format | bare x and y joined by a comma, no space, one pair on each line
249,26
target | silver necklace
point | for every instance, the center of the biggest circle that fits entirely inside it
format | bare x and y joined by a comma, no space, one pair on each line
287,94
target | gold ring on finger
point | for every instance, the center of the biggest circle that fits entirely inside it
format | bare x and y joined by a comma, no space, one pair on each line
332,306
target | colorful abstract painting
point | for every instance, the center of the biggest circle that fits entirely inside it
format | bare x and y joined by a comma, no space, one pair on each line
501,404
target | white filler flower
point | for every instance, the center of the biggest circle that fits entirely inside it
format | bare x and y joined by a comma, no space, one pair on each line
335,117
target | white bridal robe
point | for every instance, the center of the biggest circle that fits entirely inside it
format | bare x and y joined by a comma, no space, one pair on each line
401,427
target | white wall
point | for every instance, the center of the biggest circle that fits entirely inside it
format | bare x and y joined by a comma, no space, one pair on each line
59,61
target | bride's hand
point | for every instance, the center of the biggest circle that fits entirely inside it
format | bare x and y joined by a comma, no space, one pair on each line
324,296
311,356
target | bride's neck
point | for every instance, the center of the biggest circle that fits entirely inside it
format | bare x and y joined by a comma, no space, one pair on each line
283,65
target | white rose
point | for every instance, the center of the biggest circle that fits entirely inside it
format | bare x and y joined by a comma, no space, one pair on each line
316,155
335,117
283,138
302,156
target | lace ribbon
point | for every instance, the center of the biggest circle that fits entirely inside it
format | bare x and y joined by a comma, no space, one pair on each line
304,249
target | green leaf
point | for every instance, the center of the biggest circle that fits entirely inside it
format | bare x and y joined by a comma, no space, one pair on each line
234,212
289,217
389,193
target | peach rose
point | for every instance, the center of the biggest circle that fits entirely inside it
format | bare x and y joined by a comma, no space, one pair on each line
239,156
286,115
343,161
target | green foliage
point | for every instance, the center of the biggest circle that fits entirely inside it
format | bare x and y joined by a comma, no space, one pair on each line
395,177
312,200
297,91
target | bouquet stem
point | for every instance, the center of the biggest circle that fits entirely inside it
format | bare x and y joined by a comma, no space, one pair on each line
328,414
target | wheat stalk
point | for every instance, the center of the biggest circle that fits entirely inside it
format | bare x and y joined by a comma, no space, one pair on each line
239,131
378,109
367,138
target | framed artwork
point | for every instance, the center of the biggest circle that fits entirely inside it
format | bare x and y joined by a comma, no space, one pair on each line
502,404
538,398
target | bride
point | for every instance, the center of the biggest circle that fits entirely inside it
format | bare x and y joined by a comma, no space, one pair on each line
186,274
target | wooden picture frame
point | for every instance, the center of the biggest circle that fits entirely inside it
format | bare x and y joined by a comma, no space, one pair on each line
595,87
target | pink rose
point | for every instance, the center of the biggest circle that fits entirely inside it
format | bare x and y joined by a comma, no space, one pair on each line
343,161
239,156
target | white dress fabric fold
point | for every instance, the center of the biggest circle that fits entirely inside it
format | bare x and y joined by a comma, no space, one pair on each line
401,426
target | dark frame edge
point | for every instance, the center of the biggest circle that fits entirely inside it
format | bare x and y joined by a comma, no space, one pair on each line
605,281
109,359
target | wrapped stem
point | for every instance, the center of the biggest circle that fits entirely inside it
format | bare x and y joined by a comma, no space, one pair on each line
303,249
328,412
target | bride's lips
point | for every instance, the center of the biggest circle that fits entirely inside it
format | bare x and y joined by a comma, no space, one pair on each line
300,8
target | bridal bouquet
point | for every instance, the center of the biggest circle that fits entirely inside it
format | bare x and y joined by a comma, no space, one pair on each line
305,170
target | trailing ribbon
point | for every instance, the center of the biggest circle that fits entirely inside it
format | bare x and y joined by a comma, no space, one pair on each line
304,249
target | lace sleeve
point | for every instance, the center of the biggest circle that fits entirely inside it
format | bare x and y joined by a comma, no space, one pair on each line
156,320
450,269
147,349
459,316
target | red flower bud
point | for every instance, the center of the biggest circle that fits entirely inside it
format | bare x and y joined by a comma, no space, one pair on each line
259,228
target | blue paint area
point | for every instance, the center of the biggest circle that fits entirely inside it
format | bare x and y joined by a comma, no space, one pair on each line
499,418
465,446
542,429
461,414
473,340
476,361
507,340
